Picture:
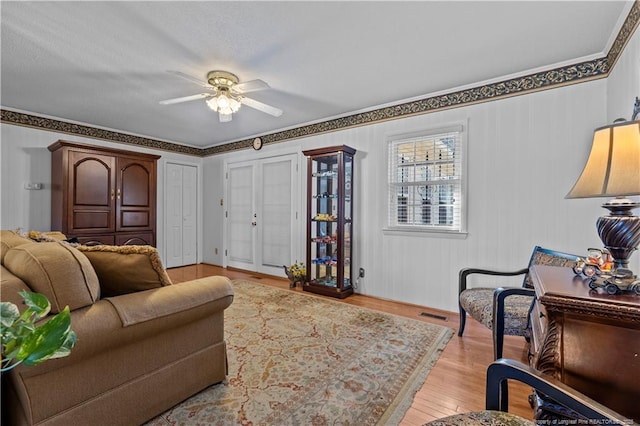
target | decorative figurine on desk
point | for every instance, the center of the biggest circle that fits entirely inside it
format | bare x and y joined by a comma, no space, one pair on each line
595,263
599,266
620,281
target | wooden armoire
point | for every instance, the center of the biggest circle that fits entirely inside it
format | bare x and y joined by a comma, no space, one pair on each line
102,195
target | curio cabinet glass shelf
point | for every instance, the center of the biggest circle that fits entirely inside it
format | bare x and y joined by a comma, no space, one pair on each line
329,222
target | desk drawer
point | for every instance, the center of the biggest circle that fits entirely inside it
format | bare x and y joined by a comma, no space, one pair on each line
538,328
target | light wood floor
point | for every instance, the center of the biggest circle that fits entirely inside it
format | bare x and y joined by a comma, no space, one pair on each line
456,384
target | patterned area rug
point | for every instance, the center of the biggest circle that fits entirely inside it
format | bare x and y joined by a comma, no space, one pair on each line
296,359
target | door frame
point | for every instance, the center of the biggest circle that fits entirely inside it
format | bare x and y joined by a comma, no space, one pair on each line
163,200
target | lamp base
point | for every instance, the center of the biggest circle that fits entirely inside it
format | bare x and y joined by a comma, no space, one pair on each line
620,230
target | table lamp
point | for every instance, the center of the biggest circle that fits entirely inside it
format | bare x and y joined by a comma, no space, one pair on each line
613,170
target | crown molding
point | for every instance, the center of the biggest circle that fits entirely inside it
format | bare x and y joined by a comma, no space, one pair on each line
534,82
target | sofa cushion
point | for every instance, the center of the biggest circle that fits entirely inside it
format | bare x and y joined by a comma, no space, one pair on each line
57,270
126,269
11,239
10,286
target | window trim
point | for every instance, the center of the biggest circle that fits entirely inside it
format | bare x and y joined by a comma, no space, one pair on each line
425,230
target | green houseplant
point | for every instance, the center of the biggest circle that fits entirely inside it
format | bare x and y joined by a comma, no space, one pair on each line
24,342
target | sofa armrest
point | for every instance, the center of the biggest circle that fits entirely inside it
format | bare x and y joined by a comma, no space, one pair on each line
99,327
147,305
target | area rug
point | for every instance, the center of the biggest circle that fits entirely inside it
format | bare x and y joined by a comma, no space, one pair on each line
297,359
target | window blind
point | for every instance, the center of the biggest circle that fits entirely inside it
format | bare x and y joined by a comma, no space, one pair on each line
425,181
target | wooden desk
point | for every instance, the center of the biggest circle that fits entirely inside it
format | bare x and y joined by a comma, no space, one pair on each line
587,339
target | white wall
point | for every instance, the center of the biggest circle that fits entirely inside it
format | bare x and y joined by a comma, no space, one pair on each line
24,157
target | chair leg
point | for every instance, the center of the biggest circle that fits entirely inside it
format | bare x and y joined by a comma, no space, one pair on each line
498,336
463,320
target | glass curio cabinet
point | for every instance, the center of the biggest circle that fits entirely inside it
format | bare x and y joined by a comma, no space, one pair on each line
329,223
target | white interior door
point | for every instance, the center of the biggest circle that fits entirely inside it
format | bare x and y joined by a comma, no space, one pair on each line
261,218
277,213
189,215
181,215
240,251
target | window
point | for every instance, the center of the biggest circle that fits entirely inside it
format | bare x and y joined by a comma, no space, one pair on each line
426,181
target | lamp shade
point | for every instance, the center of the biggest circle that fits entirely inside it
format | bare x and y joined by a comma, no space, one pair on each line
613,167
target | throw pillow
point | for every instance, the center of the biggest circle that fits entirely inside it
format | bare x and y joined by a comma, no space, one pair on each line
57,270
10,239
46,236
126,269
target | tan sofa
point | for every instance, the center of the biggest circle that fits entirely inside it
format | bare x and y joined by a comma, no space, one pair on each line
143,344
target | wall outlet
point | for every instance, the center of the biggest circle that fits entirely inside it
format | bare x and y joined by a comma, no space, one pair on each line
31,186
215,250
361,273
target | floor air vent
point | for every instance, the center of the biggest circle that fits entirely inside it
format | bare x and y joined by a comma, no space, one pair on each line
440,317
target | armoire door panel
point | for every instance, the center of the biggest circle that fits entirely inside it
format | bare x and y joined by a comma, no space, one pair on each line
91,220
136,194
134,219
92,183
92,186
134,183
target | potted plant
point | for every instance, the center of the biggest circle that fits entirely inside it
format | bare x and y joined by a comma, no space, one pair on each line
24,342
296,273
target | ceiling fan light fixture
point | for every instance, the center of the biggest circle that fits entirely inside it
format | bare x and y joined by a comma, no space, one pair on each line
224,103
222,79
227,94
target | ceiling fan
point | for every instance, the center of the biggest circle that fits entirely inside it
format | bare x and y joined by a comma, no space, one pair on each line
227,94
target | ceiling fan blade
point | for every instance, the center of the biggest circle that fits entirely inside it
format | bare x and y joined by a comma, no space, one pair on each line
191,79
250,86
276,112
185,99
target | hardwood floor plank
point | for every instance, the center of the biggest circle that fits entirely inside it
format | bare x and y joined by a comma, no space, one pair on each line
456,383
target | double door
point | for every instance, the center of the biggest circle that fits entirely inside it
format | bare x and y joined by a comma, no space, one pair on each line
261,214
103,196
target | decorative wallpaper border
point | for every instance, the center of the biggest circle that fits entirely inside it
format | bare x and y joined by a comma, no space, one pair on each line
27,120
624,35
557,77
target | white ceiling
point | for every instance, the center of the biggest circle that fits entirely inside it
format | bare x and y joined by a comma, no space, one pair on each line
106,63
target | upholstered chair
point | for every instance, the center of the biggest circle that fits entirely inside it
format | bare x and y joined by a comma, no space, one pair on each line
582,409
505,310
